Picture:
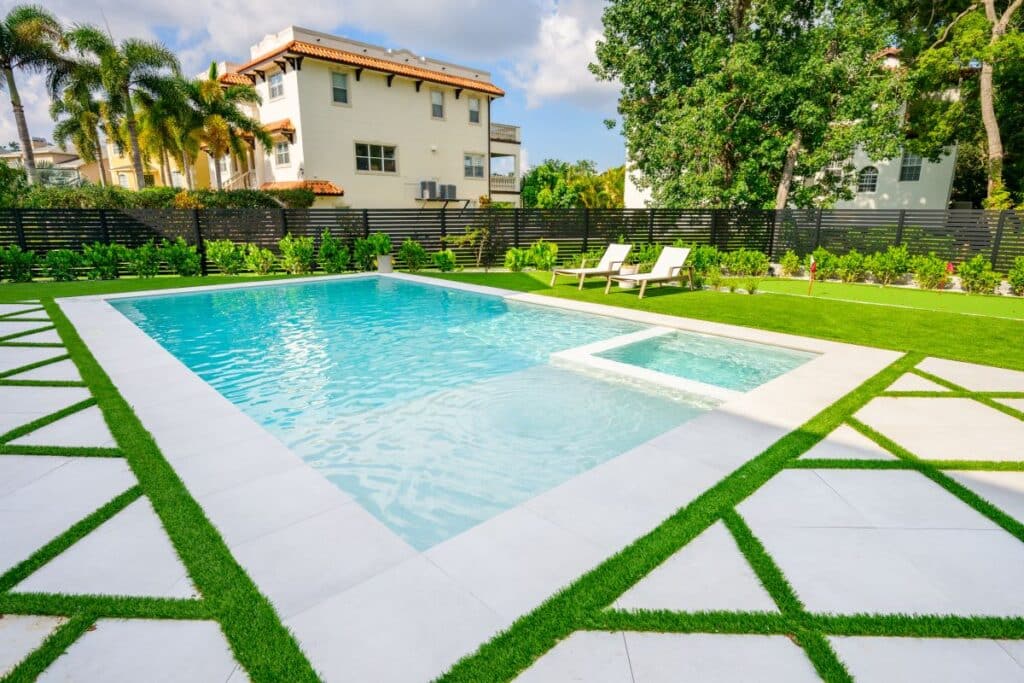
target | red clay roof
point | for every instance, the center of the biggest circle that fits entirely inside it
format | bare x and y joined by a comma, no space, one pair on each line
330,54
231,78
281,125
319,187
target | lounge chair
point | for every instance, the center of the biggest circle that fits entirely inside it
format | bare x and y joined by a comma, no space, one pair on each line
668,268
610,264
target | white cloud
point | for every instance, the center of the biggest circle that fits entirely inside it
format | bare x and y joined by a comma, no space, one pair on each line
32,88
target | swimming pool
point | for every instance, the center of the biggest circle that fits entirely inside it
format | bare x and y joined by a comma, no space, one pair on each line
435,408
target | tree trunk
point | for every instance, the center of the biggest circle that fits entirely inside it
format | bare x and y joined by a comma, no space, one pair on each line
782,193
99,157
133,140
19,119
165,160
216,172
993,137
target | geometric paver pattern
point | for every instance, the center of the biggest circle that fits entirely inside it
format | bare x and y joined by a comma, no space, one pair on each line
61,371
20,635
1005,490
847,443
936,660
974,377
912,382
84,429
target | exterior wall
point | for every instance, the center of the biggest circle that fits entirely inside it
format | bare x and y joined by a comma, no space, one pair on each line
932,191
636,197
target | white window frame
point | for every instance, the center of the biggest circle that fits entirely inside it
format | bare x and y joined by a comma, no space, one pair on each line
910,165
279,85
861,187
348,89
122,180
287,155
433,115
377,151
469,103
470,168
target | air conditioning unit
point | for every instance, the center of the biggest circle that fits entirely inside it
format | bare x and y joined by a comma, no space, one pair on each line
447,192
428,189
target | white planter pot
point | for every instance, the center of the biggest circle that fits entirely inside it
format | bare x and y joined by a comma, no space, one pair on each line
628,270
384,264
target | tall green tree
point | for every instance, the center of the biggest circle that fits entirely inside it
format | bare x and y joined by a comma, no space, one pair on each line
29,38
558,184
126,68
738,103
78,114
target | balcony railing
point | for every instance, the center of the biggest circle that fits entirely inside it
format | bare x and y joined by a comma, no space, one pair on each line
504,183
502,132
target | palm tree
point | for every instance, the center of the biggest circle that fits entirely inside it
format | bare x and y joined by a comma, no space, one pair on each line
221,124
72,89
163,116
28,38
126,68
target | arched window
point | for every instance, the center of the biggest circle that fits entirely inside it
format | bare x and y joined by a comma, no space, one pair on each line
867,179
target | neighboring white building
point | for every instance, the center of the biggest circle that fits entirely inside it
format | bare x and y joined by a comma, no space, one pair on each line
385,128
634,196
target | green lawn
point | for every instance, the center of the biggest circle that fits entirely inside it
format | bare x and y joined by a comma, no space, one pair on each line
11,292
947,334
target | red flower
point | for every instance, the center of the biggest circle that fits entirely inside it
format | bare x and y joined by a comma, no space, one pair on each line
949,267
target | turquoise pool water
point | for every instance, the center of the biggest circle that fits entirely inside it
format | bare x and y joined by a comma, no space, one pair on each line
435,408
727,363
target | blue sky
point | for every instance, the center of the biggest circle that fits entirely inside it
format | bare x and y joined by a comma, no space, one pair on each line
536,50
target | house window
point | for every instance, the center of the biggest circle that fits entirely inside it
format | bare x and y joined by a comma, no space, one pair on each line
437,104
474,110
379,158
225,164
282,153
910,167
339,88
474,165
276,85
867,179
149,180
122,180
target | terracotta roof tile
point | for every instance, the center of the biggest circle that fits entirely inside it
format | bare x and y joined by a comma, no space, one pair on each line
319,187
231,78
281,125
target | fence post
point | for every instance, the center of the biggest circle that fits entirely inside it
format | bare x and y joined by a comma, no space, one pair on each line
650,225
444,227
817,229
899,227
200,243
284,221
104,227
586,228
19,230
516,217
366,223
770,251
714,227
999,237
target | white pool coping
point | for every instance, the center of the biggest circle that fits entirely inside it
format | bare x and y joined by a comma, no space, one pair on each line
363,604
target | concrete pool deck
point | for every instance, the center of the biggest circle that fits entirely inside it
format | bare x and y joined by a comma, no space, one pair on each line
364,605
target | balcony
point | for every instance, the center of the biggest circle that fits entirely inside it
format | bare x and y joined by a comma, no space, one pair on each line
505,183
502,132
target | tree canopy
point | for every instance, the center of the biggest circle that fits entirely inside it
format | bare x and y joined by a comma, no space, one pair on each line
558,184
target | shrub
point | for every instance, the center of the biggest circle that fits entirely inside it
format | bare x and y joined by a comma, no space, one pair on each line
60,264
789,264
381,243
702,257
102,260
714,277
259,260
1016,276
752,284
930,271
542,254
977,276
144,260
444,260
413,255
17,263
591,258
226,255
851,266
364,253
181,257
645,255
333,256
826,264
746,262
298,255
516,259
891,265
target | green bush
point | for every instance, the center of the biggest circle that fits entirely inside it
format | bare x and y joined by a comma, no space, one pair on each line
1016,276
714,278
444,260
789,264
516,259
746,262
226,255
381,243
645,255
752,284
542,254
826,264
702,257
890,265
298,255
977,276
851,266
364,253
102,260
413,255
929,271
61,264
591,258
114,197
16,264
181,257
144,260
333,256
259,260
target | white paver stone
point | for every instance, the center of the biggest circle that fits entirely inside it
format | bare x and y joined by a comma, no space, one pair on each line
20,635
9,327
128,554
14,357
17,471
61,371
912,382
21,405
156,651
45,337
1005,490
847,443
591,656
709,573
715,658
1015,403
936,660
974,377
16,309
85,428
947,428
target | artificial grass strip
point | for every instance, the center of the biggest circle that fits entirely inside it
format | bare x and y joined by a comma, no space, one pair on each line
32,345
32,667
106,606
68,451
667,621
14,314
33,366
921,626
533,634
260,642
40,383
45,420
847,464
17,335
978,465
75,533
981,397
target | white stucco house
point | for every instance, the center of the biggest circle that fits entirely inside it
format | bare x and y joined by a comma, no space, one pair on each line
373,127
